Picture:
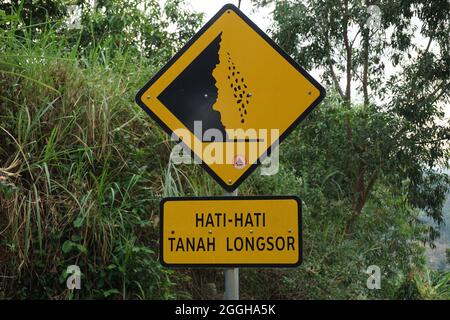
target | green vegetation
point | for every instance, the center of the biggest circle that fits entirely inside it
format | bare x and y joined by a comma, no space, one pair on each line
82,168
439,253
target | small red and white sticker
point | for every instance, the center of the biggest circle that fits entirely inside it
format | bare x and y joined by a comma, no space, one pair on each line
239,161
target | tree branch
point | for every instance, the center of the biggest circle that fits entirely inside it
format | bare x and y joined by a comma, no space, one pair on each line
444,89
330,66
335,79
365,80
348,50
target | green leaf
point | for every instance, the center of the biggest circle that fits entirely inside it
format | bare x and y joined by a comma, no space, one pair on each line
75,238
78,222
67,246
110,292
81,248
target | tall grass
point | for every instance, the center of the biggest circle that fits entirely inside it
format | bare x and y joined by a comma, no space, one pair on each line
433,285
80,172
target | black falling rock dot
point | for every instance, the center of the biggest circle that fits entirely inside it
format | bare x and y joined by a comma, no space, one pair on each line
246,101
239,101
231,85
242,79
245,85
239,87
245,111
242,121
236,80
234,95
243,106
232,74
235,89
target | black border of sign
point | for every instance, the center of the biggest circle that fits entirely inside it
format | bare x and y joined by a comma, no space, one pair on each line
228,265
226,7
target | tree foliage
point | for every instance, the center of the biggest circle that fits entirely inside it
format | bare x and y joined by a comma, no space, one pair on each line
140,26
395,90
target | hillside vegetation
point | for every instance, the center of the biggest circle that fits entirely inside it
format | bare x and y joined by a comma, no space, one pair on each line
438,256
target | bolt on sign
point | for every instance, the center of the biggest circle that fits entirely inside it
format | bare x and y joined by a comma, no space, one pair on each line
230,93
231,231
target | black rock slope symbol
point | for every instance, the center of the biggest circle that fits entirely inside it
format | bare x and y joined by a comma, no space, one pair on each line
191,96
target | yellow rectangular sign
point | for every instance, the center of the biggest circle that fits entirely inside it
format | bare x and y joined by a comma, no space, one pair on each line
231,231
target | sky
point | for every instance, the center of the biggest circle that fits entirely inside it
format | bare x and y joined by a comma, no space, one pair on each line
260,17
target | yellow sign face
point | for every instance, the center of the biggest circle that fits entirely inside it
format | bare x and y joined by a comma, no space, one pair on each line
230,95
231,231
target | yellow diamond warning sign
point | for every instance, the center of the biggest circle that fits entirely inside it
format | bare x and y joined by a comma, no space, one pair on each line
230,96
231,231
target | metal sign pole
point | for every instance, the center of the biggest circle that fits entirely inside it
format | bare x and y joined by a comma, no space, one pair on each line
231,274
